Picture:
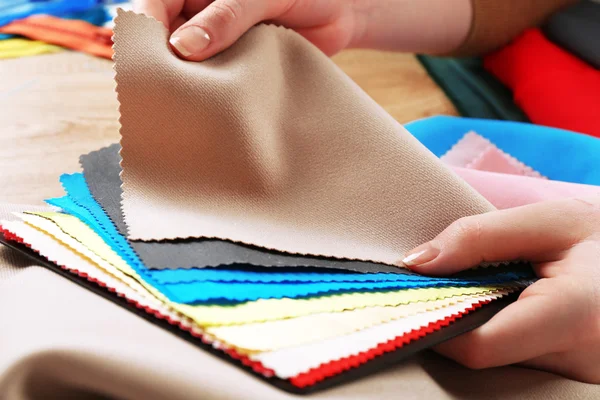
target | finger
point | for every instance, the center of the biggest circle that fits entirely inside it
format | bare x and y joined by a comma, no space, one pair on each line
219,25
539,323
581,365
164,11
537,233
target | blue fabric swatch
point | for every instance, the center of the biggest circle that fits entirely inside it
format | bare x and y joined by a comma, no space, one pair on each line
556,153
193,286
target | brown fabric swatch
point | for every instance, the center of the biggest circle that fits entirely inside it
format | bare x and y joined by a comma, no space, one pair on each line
270,144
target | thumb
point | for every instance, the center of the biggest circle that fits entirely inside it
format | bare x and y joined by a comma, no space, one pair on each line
537,233
219,25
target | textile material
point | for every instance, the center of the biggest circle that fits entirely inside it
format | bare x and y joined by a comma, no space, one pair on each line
553,87
474,92
215,292
269,144
577,30
287,363
215,315
474,151
102,174
267,336
508,191
495,23
11,263
80,355
72,34
13,48
19,9
574,157
76,234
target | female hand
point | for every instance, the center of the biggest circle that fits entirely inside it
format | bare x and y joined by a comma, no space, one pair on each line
203,28
555,324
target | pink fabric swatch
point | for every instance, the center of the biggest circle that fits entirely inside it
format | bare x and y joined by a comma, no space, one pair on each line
503,180
474,151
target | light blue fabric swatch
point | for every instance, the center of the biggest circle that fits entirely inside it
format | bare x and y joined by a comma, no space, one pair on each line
191,286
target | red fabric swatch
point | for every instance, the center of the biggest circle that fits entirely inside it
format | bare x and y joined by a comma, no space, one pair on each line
552,86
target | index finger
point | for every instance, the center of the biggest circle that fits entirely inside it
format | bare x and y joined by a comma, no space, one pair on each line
164,11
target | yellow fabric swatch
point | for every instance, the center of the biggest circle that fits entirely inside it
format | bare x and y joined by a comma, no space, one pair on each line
264,309
14,48
274,335
274,309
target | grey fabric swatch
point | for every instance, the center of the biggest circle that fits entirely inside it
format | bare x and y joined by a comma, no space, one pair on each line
101,170
577,29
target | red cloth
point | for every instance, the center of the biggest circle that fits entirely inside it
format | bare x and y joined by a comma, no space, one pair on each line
552,86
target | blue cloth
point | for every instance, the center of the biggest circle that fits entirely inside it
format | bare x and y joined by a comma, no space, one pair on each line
192,286
98,15
558,154
11,10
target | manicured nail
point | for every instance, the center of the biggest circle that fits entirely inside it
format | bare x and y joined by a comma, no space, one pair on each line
421,255
190,40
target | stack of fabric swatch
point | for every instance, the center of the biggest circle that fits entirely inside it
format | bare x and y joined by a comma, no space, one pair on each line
259,204
32,27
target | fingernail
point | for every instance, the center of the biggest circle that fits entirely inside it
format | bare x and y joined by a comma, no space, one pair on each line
190,40
421,255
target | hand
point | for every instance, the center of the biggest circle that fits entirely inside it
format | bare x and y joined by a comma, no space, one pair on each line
555,324
202,28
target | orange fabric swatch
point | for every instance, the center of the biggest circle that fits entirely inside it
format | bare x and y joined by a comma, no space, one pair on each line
72,34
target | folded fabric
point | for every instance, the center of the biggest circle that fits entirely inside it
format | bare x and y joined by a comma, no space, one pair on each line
473,91
72,34
555,153
553,87
13,48
577,30
270,144
102,171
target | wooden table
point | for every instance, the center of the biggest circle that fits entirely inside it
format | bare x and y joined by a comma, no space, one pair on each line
55,107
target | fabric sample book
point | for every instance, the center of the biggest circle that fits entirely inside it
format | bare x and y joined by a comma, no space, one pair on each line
271,180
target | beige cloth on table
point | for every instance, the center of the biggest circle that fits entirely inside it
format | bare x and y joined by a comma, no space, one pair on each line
269,143
60,341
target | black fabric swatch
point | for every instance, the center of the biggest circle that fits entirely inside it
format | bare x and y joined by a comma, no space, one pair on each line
101,170
577,30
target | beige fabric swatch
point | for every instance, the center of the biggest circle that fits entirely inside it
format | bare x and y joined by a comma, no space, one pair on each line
270,144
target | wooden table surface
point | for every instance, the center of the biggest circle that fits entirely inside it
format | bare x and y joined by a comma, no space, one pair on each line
55,107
